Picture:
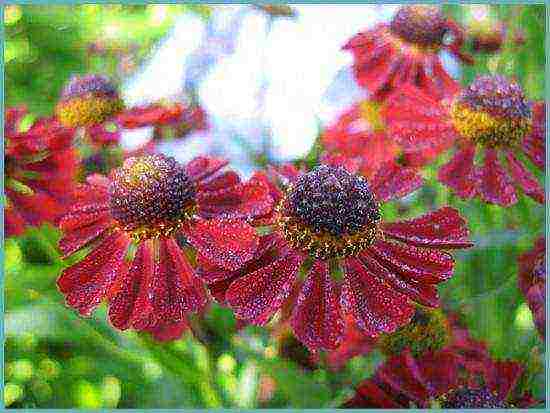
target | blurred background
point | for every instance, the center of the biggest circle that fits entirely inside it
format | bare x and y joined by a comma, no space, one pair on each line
269,81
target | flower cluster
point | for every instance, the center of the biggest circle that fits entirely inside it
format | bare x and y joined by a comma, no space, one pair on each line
158,240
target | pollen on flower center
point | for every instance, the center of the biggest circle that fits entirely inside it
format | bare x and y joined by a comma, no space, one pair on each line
151,196
467,398
492,112
88,100
329,213
422,25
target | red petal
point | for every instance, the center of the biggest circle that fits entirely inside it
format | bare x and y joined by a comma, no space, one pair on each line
443,228
402,374
227,243
316,318
495,184
263,256
257,295
80,237
225,180
370,395
425,294
393,181
459,173
422,265
350,164
203,167
14,224
178,290
376,307
418,122
243,201
534,144
169,331
133,301
525,179
86,283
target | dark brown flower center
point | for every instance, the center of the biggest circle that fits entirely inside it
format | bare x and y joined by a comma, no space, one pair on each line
466,398
97,85
422,25
330,213
151,196
492,112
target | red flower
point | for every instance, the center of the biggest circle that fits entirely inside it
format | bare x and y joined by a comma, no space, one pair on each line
93,102
532,283
40,167
152,202
489,117
329,253
461,375
405,51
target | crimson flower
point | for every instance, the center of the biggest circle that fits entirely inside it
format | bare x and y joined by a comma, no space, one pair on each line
142,213
532,282
405,51
39,166
491,117
460,375
330,253
93,102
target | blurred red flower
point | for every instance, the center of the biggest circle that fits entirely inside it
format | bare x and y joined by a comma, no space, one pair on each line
405,51
40,166
327,253
149,202
490,117
461,375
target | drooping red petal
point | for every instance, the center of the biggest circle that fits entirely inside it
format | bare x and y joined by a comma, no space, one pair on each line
263,256
377,308
169,331
534,143
86,283
227,243
524,179
418,123
402,374
443,228
183,292
133,301
495,184
202,167
394,181
370,395
422,265
244,201
316,319
257,295
459,173
425,294
223,181
80,237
